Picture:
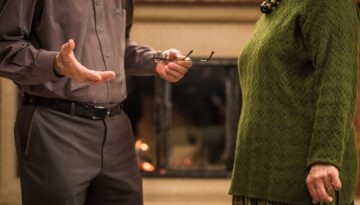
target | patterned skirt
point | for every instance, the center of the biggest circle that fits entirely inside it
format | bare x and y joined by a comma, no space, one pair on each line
240,200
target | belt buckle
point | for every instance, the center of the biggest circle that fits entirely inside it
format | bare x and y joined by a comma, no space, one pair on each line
101,112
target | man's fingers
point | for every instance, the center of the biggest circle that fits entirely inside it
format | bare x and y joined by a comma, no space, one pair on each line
172,79
106,75
175,75
177,68
187,63
68,65
169,75
97,77
70,46
161,71
89,77
174,71
174,54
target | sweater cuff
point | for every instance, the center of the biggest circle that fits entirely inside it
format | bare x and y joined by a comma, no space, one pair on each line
312,162
44,65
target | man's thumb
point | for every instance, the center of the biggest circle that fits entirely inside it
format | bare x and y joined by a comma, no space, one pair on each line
69,46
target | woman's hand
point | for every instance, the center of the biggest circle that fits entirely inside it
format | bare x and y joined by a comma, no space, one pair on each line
322,181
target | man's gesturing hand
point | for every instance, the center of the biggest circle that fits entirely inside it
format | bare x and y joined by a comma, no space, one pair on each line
173,71
322,181
67,65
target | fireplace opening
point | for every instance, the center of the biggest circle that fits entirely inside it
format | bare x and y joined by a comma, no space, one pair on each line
186,129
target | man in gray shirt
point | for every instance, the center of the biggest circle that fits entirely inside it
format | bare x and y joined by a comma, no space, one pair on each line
74,142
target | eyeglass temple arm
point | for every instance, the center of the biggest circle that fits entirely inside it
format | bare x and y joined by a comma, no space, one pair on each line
211,55
208,59
188,54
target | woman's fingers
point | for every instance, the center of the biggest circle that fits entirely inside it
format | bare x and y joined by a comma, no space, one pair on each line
322,181
322,194
334,178
314,194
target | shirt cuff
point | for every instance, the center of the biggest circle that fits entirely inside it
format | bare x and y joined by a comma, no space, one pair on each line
150,64
45,65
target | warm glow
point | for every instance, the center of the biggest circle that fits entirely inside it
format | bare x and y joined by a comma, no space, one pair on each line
162,171
188,162
148,167
139,145
144,147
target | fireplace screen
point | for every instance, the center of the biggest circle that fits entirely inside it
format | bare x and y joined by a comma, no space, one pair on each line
186,129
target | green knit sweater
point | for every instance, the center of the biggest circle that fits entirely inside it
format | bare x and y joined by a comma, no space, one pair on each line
298,76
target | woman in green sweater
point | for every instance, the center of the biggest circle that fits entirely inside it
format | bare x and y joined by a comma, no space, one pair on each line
298,76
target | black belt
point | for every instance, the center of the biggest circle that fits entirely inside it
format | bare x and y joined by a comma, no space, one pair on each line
95,112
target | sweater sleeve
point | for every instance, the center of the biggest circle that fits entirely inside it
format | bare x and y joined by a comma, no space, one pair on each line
20,61
330,33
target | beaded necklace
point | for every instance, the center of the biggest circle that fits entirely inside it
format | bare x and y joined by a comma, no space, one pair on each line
268,5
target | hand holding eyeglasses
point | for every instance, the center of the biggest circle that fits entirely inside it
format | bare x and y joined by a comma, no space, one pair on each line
163,57
169,67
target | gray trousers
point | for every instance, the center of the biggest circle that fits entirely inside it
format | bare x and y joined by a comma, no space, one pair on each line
70,160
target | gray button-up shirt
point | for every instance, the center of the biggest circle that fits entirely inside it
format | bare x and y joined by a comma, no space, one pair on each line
33,31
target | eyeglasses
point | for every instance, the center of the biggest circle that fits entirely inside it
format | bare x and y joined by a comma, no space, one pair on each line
159,57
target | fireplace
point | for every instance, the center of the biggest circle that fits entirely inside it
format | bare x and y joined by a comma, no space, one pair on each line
186,129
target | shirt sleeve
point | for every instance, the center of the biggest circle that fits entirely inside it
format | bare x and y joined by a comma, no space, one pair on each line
138,58
20,61
330,34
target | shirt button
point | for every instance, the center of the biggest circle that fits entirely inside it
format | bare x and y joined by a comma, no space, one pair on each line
98,3
100,29
107,55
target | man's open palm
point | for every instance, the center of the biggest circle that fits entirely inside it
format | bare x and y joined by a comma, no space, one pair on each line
66,64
